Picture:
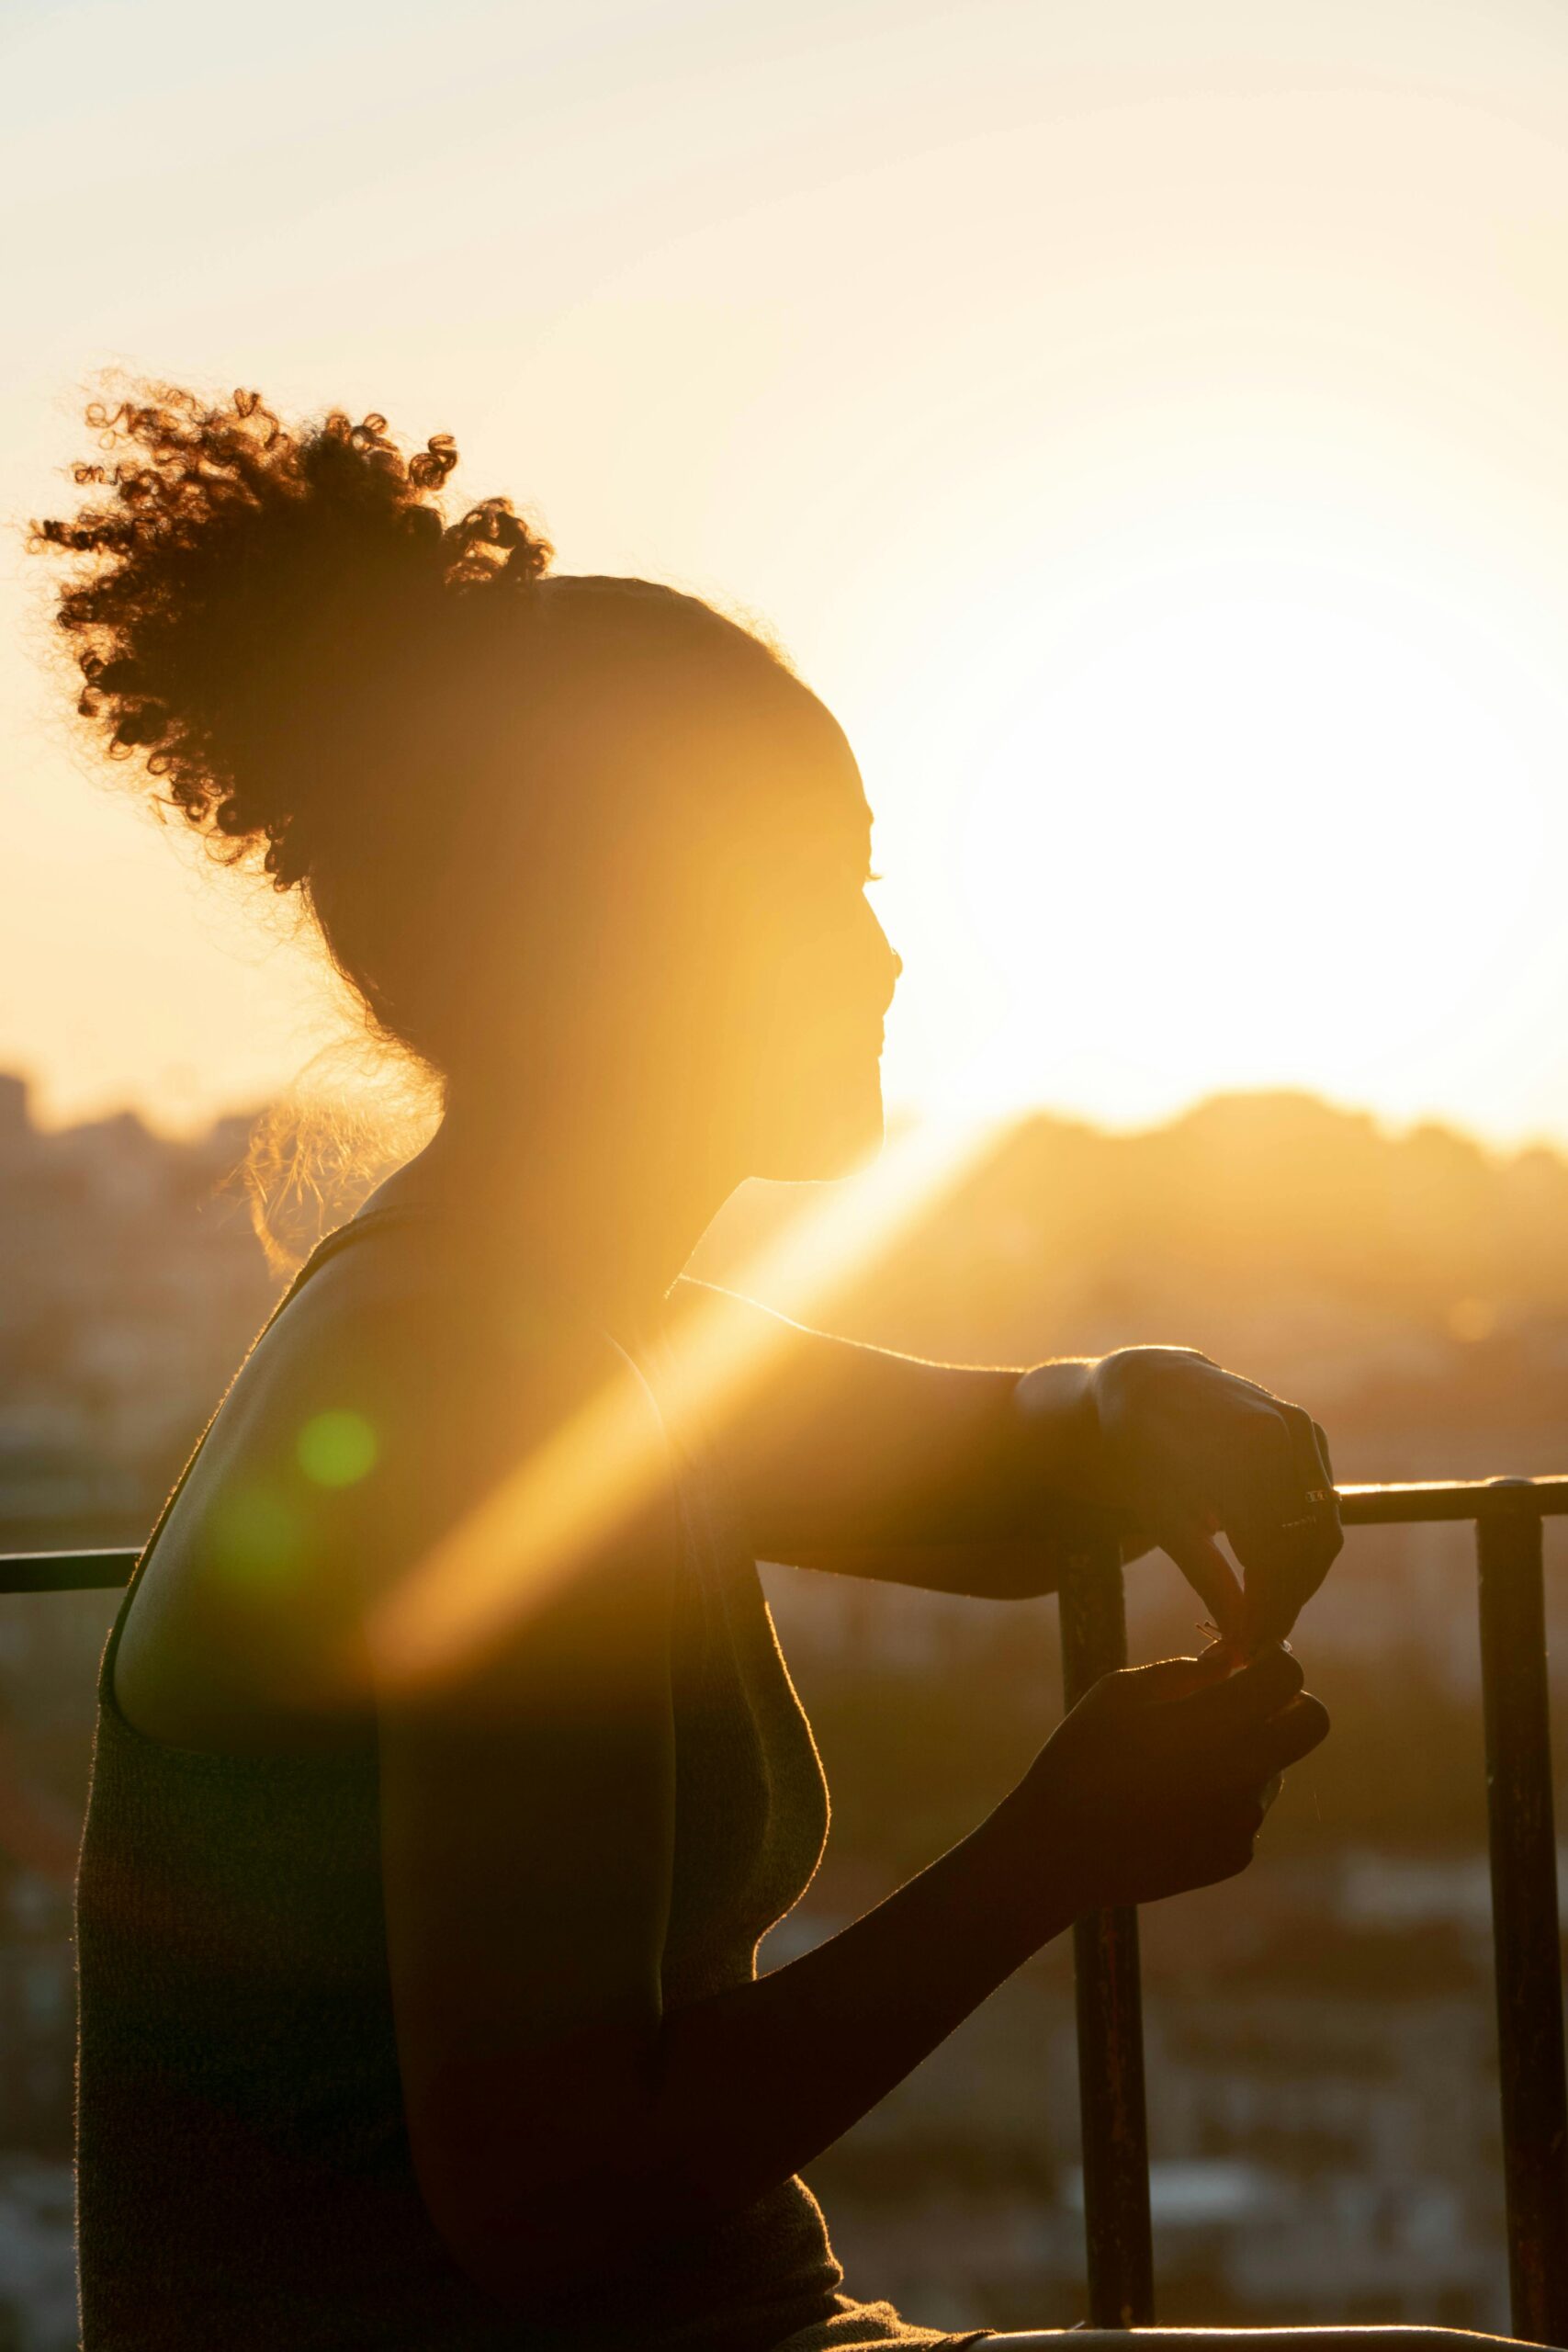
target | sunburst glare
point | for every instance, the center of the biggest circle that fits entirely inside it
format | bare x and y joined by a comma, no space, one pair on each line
519,1544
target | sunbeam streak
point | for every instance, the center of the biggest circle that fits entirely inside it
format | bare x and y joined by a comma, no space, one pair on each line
551,1512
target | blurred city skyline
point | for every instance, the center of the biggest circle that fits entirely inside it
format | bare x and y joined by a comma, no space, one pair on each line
1323,2099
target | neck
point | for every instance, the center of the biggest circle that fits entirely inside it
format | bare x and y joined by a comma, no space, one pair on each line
614,1206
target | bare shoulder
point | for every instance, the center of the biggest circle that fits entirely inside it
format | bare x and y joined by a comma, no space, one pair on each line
372,1431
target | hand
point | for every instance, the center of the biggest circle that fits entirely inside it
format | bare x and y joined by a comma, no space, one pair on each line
1192,1452
1157,1781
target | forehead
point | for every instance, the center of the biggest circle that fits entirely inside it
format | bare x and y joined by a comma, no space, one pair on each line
822,770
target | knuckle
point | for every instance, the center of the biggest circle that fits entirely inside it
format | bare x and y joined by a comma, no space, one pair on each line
1316,1716
1285,1422
1277,1681
1226,1857
1301,1729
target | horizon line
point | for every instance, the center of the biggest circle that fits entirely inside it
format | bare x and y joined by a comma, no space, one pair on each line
901,1115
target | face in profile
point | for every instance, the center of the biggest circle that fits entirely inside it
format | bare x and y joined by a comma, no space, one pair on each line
814,972
709,949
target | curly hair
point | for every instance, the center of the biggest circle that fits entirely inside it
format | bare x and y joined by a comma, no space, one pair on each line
317,667
244,574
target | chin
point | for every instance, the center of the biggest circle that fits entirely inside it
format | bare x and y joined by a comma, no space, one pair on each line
845,1132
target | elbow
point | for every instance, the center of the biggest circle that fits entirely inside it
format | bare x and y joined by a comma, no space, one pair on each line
529,2236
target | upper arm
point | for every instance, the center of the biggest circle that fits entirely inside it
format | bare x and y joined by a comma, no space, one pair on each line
527,1783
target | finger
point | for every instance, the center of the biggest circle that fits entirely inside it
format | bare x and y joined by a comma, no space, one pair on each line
1226,1854
1311,1449
1265,1475
1241,1818
1280,1581
1329,1532
1273,1747
1232,1831
1166,1680
1306,1449
1209,1573
1287,1533
1278,1477
1215,1715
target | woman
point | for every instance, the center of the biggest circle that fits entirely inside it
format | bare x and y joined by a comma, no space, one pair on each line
447,1770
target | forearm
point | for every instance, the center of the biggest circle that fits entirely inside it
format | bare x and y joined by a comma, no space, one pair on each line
758,2081
845,1451
660,2133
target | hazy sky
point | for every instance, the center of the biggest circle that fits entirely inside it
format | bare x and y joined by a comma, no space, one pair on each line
1146,423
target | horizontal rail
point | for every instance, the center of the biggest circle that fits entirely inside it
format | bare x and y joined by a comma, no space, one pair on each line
1387,1505
1472,1498
66,1571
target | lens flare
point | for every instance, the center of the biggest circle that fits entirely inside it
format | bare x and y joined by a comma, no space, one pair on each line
337,1448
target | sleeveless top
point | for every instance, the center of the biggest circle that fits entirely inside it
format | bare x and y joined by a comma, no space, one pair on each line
244,2178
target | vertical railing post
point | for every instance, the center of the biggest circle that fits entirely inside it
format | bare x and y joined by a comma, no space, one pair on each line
1525,1931
1110,2000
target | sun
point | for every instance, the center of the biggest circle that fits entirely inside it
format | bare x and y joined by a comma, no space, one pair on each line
1272,801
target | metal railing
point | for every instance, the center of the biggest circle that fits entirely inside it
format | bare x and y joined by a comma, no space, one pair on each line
1508,1515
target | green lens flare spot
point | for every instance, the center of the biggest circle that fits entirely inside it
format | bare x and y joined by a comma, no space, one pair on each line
258,1538
337,1448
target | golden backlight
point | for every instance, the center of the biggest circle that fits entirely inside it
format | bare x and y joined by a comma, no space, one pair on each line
1252,815
1146,426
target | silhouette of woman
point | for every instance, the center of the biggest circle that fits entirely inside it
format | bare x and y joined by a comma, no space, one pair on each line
448,1772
